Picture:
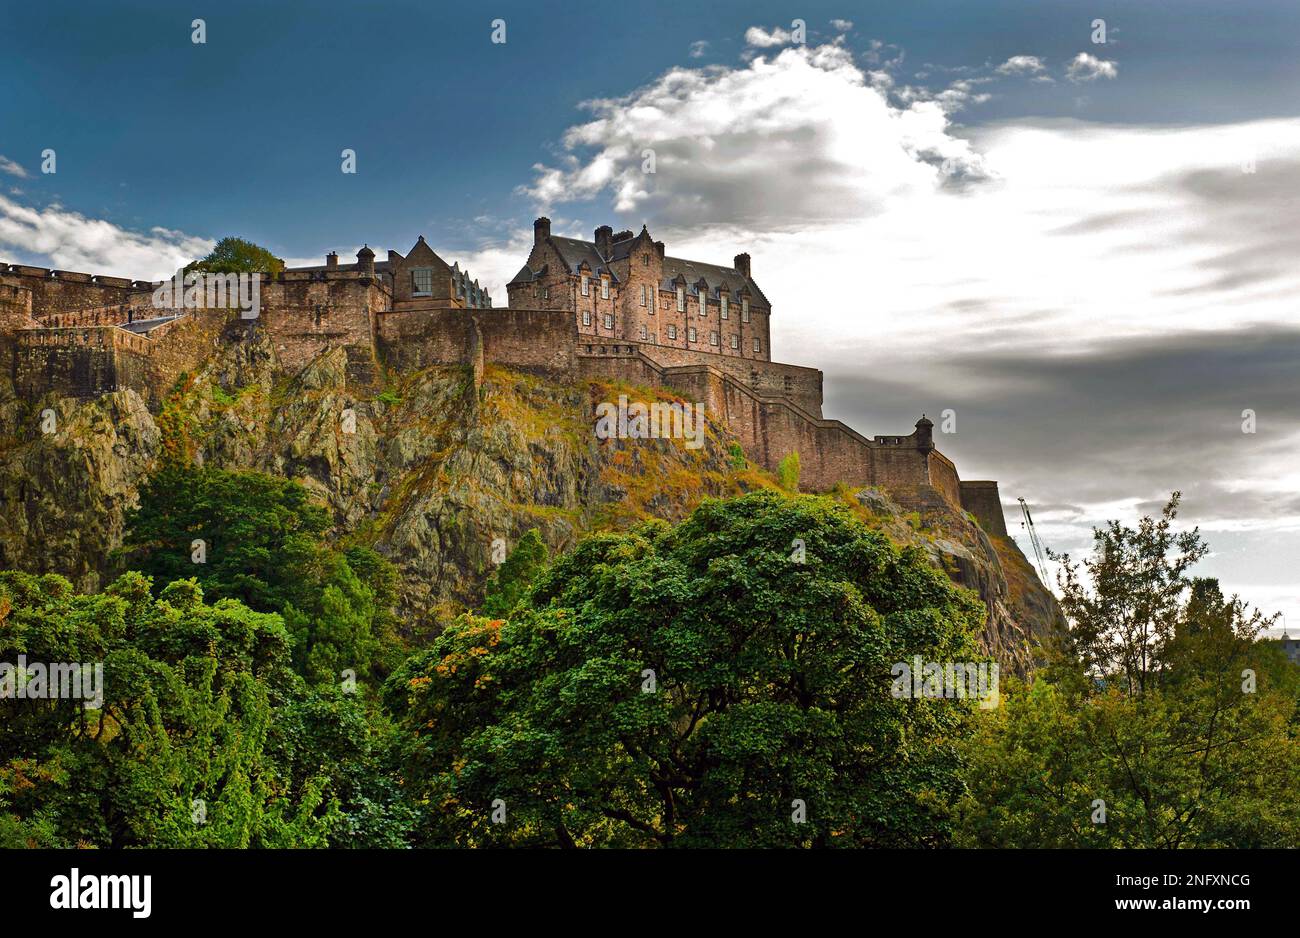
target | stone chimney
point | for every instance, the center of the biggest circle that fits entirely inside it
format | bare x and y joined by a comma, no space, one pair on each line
332,259
659,246
604,240
541,230
366,261
742,264
925,434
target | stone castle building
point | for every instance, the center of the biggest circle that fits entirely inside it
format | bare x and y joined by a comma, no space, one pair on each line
614,308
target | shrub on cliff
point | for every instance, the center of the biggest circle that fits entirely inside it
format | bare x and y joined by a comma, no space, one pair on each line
509,582
697,685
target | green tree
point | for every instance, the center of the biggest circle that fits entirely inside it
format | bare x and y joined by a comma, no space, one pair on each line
1160,722
263,543
693,686
237,256
509,582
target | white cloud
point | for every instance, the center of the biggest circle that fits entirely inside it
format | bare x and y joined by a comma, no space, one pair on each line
67,240
1085,67
12,168
698,48
760,38
842,25
1021,65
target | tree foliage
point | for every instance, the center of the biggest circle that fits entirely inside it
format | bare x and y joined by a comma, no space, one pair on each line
508,583
1160,722
237,256
689,686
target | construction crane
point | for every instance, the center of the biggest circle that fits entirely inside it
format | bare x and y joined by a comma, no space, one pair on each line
1028,523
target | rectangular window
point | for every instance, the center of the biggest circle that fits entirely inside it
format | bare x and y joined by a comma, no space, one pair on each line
672,332
586,285
609,321
735,341
645,333
681,299
422,281
758,346
744,310
546,293
604,288
690,334
713,338
722,301
704,304
643,294
586,317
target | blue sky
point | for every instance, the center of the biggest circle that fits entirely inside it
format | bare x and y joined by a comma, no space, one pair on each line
952,205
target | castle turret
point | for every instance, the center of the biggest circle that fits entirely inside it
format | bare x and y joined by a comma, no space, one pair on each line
366,261
925,434
541,230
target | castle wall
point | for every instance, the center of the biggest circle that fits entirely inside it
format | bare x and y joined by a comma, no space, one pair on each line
539,341
982,500
78,362
55,291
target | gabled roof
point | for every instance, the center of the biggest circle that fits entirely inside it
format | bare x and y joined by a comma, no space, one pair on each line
575,251
712,274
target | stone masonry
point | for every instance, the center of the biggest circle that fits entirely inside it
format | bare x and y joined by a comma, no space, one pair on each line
575,314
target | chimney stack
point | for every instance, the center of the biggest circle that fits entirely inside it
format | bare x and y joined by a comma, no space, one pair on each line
541,230
604,240
659,246
742,264
332,259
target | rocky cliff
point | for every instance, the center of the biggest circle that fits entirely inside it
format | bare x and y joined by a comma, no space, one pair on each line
430,469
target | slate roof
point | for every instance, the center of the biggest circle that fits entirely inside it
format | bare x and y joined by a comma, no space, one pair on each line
575,251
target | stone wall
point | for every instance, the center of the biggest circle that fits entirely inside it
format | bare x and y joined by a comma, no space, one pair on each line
62,291
982,500
533,340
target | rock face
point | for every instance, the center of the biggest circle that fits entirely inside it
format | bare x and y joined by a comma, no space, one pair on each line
431,470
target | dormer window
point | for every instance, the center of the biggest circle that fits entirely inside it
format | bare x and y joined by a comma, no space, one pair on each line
422,281
604,287
645,260
586,285
704,302
681,299
722,304
744,309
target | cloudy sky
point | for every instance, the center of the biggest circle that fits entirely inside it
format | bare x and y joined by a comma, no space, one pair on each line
1087,250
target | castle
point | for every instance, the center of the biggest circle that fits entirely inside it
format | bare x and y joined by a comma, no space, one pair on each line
614,308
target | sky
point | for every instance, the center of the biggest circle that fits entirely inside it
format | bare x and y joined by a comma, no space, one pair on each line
1079,239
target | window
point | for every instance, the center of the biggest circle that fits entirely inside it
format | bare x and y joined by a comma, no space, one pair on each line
681,299
645,260
546,293
704,302
586,317
722,302
604,288
609,321
713,338
758,346
643,294
586,285
422,281
735,341
645,333
744,309
690,334
672,332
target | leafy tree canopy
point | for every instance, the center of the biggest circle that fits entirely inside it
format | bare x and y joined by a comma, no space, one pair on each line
694,686
237,256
